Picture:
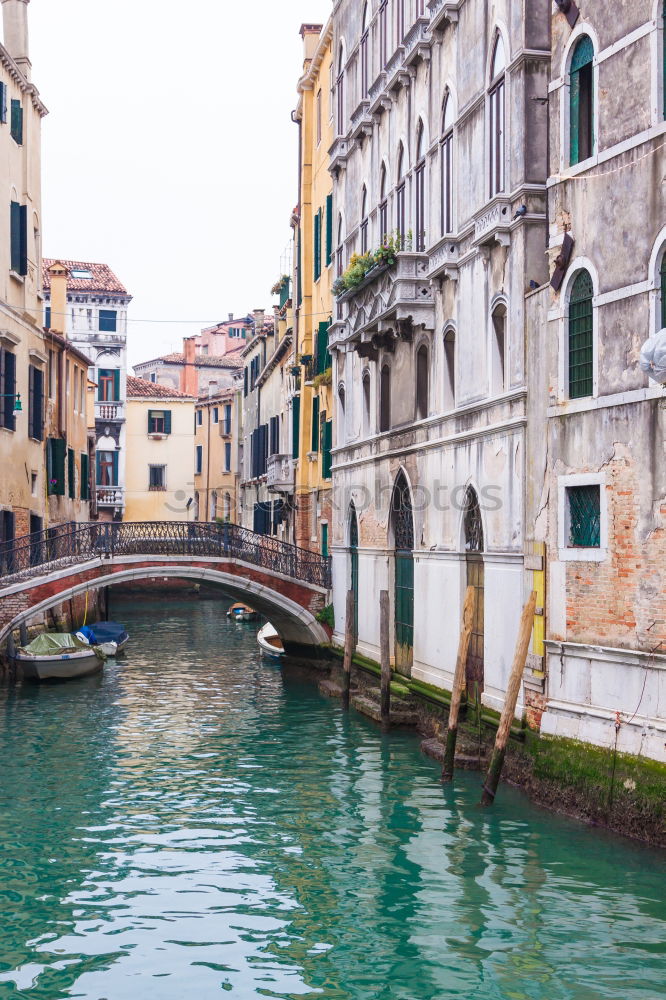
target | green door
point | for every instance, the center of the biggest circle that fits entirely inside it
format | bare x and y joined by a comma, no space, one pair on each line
404,611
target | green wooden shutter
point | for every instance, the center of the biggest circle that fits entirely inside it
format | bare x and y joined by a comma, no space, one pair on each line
71,474
15,237
167,421
3,102
327,461
23,240
315,424
324,540
150,421
8,389
299,284
31,400
581,369
323,357
317,246
329,229
295,426
116,384
36,404
84,490
56,448
17,122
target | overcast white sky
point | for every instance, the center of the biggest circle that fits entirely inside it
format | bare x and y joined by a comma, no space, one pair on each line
169,152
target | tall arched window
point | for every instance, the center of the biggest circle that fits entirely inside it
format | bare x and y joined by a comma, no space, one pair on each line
474,546
580,340
366,401
340,90
422,379
449,369
339,253
400,197
662,289
496,100
213,505
581,101
385,399
446,165
227,507
383,206
342,402
364,220
365,70
420,178
402,525
353,559
498,349
399,21
383,32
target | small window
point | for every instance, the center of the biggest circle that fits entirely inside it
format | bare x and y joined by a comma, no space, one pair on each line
581,98
584,516
19,238
446,166
159,421
399,20
498,350
216,415
318,117
107,320
213,505
199,418
3,102
662,287
80,272
157,477
383,33
199,459
227,456
580,340
365,70
108,385
422,376
383,207
366,402
340,91
400,217
385,399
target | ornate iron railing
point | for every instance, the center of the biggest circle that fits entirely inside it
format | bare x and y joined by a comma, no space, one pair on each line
67,544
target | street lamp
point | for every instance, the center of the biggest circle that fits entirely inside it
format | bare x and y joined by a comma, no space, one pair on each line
18,405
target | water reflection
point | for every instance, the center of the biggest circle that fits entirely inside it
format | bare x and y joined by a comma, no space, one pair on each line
197,820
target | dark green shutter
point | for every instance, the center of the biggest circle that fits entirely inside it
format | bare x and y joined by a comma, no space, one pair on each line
581,368
17,122
317,246
23,240
327,461
15,237
167,421
56,449
324,540
323,359
3,102
84,490
35,403
329,229
299,285
295,426
315,424
71,474
8,390
150,421
116,384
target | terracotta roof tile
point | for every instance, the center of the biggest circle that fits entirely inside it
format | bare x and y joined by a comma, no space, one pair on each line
201,361
152,390
103,279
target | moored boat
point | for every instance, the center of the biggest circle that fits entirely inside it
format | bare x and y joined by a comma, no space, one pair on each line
242,612
58,656
269,641
107,634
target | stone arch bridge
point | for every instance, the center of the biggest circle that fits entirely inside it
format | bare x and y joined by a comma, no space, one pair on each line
286,584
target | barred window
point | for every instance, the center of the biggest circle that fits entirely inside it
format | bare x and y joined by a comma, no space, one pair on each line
584,516
581,367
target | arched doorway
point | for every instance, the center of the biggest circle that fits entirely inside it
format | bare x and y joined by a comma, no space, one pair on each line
402,523
353,560
475,578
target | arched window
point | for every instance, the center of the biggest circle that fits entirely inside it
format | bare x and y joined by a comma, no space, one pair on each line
422,378
365,70
402,525
580,340
385,399
474,546
339,254
227,507
446,164
366,401
353,554
341,413
420,178
400,197
383,32
498,349
581,101
383,206
449,369
340,90
213,505
496,100
195,505
662,291
364,220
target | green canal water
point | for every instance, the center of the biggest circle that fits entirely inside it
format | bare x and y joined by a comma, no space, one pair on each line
197,822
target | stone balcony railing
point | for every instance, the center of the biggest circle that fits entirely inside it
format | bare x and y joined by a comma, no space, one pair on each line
109,411
280,473
110,496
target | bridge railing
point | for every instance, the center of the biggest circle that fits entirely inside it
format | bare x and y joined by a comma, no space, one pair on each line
67,544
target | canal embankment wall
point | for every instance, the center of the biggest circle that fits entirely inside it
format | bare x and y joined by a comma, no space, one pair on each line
597,785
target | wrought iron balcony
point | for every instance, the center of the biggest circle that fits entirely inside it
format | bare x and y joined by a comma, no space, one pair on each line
280,473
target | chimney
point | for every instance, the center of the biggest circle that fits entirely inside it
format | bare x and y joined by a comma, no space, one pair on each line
58,275
15,28
258,320
231,318
310,34
189,381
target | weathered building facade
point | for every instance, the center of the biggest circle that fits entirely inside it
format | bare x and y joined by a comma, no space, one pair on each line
216,461
439,167
597,487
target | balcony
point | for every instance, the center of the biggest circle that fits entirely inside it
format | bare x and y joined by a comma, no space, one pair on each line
280,473
109,411
110,496
443,13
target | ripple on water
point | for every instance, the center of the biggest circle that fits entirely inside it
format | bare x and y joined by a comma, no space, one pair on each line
197,821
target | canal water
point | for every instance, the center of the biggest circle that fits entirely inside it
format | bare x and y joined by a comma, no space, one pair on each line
197,821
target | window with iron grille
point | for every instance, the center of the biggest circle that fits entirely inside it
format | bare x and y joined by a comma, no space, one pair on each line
581,367
584,516
157,477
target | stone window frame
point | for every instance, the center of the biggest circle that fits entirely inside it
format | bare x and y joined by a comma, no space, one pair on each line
577,265
449,399
503,79
566,167
658,63
499,301
654,282
447,162
567,553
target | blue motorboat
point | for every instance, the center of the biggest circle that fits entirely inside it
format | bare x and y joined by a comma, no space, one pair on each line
101,633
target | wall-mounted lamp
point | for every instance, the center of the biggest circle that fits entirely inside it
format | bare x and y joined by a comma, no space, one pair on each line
18,405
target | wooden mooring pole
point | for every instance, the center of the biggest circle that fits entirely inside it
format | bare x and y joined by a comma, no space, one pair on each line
458,683
384,659
350,639
513,688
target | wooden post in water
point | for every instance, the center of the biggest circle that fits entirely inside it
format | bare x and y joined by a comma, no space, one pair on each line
384,659
23,633
349,648
459,682
515,677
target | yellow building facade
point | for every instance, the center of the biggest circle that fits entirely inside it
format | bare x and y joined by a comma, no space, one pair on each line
216,473
313,292
160,448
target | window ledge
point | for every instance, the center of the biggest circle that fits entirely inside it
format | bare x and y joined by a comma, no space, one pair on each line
19,278
157,489
158,436
583,555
